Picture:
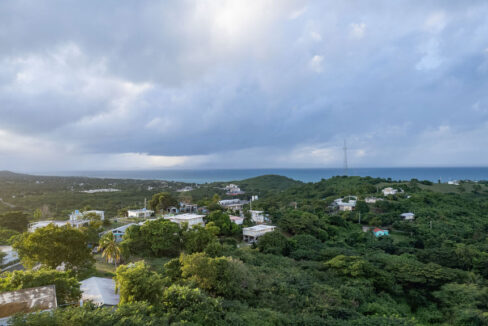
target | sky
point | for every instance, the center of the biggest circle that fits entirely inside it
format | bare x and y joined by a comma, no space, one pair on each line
120,85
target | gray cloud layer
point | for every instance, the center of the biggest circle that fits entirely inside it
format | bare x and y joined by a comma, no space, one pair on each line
119,84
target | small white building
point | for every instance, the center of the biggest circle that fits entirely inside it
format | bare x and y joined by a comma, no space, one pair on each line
236,219
257,216
191,219
408,216
99,213
76,215
389,191
100,291
346,204
233,204
140,213
252,234
453,182
372,200
40,224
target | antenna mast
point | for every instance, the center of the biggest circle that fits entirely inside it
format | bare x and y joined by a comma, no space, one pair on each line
345,158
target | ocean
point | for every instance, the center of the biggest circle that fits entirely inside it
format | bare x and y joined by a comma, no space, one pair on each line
433,174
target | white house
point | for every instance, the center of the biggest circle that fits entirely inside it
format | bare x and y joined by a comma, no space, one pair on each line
140,213
237,219
191,219
389,191
346,204
453,182
233,204
252,234
99,213
372,200
257,216
100,291
408,216
40,224
76,215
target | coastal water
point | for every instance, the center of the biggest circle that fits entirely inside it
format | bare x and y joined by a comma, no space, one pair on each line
306,175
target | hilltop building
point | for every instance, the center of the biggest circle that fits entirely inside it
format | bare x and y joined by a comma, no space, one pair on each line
190,219
346,204
236,219
408,216
257,216
389,191
140,213
253,233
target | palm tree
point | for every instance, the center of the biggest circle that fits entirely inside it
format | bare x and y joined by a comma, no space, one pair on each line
111,249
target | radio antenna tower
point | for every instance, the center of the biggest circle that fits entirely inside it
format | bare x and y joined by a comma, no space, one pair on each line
345,158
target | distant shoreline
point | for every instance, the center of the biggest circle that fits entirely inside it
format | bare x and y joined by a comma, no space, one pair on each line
444,174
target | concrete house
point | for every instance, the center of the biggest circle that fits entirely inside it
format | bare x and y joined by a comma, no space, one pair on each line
346,204
140,213
408,216
257,216
233,204
191,219
372,200
99,213
389,191
236,219
253,233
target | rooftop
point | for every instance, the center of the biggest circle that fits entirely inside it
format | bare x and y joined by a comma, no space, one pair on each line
101,291
187,216
260,227
27,300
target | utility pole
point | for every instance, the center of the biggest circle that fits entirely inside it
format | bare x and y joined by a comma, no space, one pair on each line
345,158
359,217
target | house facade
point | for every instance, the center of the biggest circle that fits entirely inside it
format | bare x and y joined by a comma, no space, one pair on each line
389,191
140,213
257,216
190,219
408,216
253,233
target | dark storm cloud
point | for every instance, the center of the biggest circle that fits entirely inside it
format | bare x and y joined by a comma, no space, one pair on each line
271,82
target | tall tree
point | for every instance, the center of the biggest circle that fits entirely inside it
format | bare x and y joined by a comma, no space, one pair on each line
136,282
162,201
52,246
111,249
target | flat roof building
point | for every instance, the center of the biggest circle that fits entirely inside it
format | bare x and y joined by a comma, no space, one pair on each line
236,219
257,216
139,213
191,219
26,301
253,233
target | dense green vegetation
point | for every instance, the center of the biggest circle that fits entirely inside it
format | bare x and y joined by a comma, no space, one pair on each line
317,268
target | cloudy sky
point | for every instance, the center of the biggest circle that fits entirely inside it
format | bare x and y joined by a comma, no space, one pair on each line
97,85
